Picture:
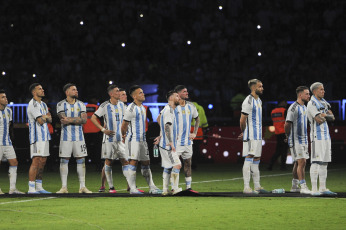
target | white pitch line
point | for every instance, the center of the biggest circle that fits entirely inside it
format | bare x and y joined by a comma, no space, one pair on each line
22,201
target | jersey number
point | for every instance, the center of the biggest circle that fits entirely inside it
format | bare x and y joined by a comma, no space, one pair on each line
83,148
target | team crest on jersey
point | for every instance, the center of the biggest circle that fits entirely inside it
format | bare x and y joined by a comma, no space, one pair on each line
4,116
116,110
72,109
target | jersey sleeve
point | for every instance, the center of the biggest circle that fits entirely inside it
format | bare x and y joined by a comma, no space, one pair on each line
312,109
128,114
167,117
100,112
290,115
82,107
60,107
194,111
36,111
246,107
10,113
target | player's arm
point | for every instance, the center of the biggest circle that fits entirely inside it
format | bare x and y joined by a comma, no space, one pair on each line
242,122
158,118
44,119
319,118
169,136
287,127
74,120
195,129
94,120
124,127
329,116
11,130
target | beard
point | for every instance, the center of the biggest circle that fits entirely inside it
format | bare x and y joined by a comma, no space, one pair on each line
258,92
75,96
176,103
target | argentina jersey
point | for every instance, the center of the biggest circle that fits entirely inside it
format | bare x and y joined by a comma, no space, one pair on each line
315,107
5,119
37,132
71,132
184,116
168,116
113,117
252,108
136,115
297,115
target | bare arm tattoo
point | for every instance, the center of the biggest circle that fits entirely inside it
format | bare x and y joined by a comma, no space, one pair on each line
196,125
168,132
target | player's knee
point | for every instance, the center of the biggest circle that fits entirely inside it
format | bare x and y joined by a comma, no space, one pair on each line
80,161
13,162
145,170
167,170
64,161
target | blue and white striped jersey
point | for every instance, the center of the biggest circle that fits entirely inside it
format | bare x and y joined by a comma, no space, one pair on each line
297,115
113,117
168,116
71,132
137,116
37,132
252,108
315,107
5,119
184,116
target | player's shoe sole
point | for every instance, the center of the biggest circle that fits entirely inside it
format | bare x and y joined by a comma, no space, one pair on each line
84,190
136,192
102,189
43,192
112,190
33,192
15,191
329,193
295,190
63,190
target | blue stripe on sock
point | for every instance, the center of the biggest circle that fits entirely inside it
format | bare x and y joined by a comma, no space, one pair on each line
145,167
302,182
132,167
167,170
256,162
176,170
249,159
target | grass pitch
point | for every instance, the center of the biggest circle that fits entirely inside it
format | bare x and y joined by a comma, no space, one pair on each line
175,212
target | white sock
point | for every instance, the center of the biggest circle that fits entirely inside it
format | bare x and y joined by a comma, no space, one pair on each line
314,168
81,172
12,174
146,172
255,173
109,176
32,186
38,184
188,181
295,183
131,179
63,172
322,173
175,178
166,175
246,172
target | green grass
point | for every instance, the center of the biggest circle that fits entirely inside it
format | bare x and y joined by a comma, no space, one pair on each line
176,212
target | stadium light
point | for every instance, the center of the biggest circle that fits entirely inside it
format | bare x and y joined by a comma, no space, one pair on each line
123,44
271,128
216,143
220,7
204,151
81,23
259,27
3,73
210,106
12,25
259,54
336,130
34,75
110,82
225,153
209,157
141,15
188,42
11,103
238,153
263,142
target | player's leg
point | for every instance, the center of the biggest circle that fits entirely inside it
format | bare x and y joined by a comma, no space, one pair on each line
295,180
327,157
176,163
80,152
10,155
103,179
256,150
65,152
39,186
33,170
248,159
109,175
145,168
301,175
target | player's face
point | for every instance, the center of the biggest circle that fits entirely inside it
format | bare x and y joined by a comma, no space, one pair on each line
305,96
115,93
72,92
139,95
176,98
319,92
259,88
39,92
183,94
123,96
3,99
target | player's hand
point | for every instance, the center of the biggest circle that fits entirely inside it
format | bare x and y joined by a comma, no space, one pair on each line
192,136
172,146
157,140
109,132
240,136
123,138
64,121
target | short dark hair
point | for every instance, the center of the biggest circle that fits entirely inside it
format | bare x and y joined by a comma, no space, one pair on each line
252,82
301,89
122,89
133,88
170,93
67,86
111,87
33,86
179,88
2,91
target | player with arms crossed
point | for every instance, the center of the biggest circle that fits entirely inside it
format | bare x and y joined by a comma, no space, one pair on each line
112,112
167,141
321,151
72,114
39,136
251,128
6,148
137,148
297,134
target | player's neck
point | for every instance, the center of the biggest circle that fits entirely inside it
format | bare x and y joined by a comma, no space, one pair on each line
182,102
71,100
2,107
172,105
138,103
318,98
300,101
38,99
113,101
253,93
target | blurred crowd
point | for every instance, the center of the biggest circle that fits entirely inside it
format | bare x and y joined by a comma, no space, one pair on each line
129,42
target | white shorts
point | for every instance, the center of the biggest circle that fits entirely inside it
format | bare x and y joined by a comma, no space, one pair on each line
7,151
39,149
78,148
252,147
169,158
321,150
184,151
138,150
113,150
299,151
